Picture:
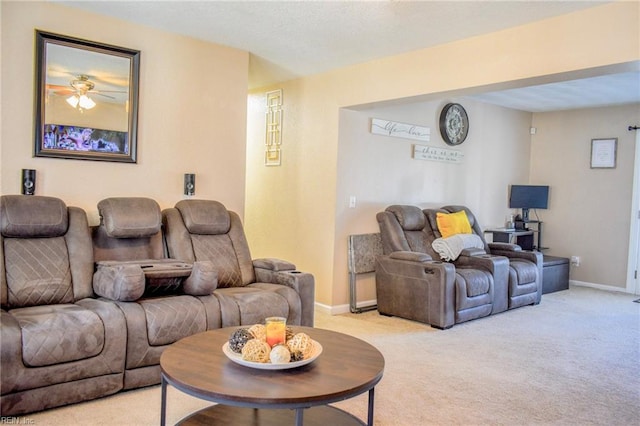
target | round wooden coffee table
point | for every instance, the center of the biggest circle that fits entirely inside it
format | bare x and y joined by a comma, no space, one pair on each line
197,366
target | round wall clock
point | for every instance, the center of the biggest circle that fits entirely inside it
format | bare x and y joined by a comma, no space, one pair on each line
454,124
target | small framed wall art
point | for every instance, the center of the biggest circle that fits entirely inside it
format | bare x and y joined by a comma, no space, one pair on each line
603,153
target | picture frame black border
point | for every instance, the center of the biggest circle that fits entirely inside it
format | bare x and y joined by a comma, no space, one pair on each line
41,40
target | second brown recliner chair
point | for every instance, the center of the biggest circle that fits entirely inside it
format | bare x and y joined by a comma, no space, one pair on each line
412,283
249,290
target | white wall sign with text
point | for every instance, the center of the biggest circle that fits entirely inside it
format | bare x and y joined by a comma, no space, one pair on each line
445,155
400,130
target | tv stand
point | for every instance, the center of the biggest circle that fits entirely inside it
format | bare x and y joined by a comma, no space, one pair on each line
537,233
521,235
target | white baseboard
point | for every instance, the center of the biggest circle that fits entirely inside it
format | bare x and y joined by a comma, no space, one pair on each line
342,309
325,309
598,286
345,309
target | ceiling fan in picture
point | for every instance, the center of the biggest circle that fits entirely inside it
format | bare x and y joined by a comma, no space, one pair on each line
79,90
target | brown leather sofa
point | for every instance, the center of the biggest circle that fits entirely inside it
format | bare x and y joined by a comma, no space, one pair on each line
412,283
86,312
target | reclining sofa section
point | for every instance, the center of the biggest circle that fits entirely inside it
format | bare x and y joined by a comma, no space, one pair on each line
412,282
87,312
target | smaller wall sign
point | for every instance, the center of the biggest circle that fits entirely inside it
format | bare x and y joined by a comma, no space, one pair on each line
400,130
431,153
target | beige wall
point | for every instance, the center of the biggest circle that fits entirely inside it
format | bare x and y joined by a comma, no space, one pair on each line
290,209
589,209
192,114
380,171
299,201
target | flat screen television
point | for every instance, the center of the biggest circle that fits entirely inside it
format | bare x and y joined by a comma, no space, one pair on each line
527,197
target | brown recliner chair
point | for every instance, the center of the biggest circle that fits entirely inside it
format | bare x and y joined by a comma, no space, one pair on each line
248,290
163,300
524,284
411,284
59,344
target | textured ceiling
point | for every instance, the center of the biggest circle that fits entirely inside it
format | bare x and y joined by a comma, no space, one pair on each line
606,90
297,38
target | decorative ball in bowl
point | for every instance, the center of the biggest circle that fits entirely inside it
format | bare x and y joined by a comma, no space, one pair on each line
250,347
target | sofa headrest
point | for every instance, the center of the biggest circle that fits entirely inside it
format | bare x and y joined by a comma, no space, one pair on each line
431,216
130,217
32,216
204,217
410,218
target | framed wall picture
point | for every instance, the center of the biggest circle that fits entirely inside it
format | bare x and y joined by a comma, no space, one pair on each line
86,99
603,153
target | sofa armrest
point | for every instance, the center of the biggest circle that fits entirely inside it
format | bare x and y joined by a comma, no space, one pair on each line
127,281
273,264
418,290
533,256
412,256
302,282
504,247
202,280
121,282
472,252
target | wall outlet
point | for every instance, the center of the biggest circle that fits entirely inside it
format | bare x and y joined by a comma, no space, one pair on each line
575,260
352,202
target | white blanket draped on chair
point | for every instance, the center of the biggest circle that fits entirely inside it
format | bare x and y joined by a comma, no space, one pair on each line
450,248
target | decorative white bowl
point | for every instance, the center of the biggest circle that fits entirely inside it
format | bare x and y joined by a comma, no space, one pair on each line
237,358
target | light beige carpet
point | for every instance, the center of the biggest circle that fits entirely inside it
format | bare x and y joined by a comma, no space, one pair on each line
572,360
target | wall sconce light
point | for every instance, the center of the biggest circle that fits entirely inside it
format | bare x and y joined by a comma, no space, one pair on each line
28,181
189,184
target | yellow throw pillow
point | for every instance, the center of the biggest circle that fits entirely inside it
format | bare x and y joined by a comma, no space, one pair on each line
453,223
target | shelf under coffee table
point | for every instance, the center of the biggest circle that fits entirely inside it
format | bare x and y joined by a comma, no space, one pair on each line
346,368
